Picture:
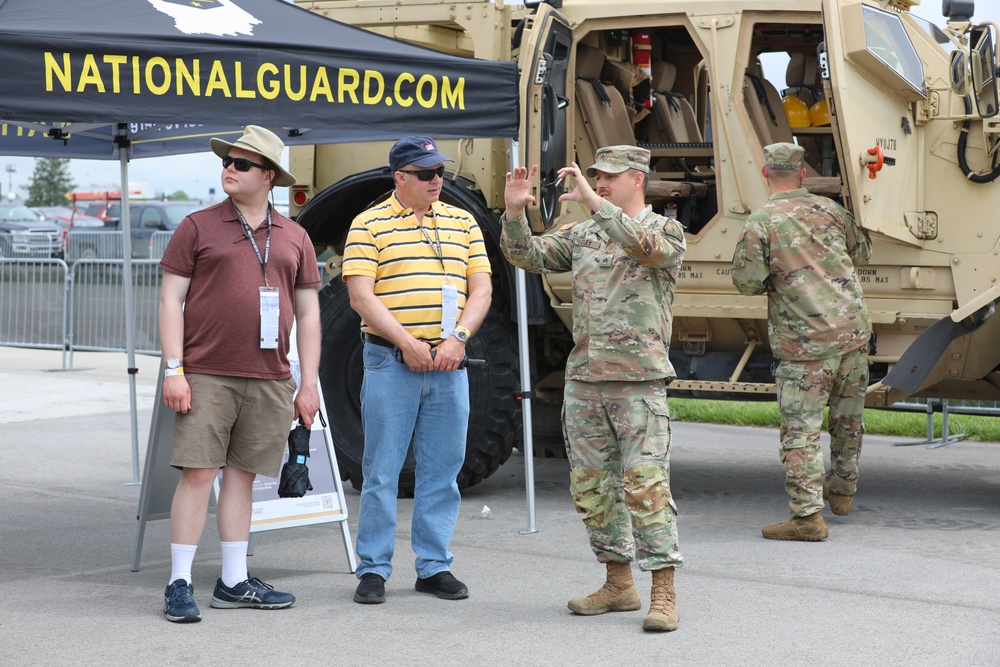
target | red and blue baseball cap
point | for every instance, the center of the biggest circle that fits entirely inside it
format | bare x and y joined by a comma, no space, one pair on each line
418,151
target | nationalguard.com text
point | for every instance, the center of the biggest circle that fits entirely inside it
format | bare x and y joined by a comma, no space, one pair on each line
159,76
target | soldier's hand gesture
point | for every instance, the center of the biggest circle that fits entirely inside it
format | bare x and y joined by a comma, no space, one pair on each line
582,193
517,191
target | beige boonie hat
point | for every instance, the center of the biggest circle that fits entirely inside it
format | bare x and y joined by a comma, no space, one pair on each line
783,156
616,159
262,141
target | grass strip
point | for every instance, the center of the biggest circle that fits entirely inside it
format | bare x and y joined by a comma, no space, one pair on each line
877,422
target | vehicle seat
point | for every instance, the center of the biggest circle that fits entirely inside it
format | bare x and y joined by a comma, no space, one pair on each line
602,106
802,79
674,122
606,118
771,126
674,116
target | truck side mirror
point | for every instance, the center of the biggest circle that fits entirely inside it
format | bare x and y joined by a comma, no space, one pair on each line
982,57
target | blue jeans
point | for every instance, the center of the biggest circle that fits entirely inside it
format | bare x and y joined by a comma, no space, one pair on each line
432,409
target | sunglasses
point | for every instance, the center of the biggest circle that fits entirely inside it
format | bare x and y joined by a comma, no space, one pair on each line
425,174
242,164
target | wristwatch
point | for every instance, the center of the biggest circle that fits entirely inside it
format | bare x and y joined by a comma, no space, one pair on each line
462,334
172,367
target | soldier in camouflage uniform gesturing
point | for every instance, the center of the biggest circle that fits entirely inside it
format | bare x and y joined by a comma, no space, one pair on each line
616,423
801,249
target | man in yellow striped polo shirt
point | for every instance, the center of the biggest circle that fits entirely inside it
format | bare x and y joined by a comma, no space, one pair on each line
418,274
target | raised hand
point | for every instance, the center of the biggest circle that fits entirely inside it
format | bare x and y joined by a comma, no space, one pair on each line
517,190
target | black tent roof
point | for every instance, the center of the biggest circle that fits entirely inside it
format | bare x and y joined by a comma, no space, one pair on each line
233,62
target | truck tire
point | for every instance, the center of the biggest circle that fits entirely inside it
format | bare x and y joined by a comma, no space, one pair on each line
495,413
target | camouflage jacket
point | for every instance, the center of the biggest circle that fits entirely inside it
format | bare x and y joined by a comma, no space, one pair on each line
801,250
624,274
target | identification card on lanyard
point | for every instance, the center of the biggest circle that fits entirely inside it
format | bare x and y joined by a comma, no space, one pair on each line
269,302
269,308
449,308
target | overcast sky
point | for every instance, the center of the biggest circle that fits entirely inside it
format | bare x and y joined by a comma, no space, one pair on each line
196,174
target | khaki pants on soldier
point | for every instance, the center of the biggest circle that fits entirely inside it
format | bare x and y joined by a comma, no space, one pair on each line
618,442
804,390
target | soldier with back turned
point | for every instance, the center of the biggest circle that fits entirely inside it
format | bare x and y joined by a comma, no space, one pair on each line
801,249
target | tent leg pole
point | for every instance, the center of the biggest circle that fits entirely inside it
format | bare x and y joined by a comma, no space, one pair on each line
528,450
520,290
123,149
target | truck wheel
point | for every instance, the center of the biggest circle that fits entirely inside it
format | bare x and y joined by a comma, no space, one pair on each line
495,414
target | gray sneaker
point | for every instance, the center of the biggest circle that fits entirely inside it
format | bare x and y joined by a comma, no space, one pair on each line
252,593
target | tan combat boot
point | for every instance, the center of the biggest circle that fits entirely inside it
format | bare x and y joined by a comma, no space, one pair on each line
838,502
663,615
810,528
617,594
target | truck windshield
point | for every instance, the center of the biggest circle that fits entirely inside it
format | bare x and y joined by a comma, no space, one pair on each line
886,39
17,214
936,33
176,213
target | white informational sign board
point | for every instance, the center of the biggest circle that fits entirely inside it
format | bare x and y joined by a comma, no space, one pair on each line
324,504
320,505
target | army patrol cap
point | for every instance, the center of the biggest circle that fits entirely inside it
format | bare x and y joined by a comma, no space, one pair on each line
616,159
783,156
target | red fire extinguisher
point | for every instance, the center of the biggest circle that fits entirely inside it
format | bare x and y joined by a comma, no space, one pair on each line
642,57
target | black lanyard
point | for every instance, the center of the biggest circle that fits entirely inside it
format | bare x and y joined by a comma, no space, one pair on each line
436,244
267,243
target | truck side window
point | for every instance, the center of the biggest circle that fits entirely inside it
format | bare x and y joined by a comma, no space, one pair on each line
151,219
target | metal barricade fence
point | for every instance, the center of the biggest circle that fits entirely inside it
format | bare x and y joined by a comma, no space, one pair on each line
97,305
82,243
945,407
45,303
955,406
158,243
30,245
33,300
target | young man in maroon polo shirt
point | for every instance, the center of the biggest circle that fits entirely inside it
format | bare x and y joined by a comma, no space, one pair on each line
234,276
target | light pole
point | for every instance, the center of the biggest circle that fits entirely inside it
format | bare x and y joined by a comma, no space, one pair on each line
11,170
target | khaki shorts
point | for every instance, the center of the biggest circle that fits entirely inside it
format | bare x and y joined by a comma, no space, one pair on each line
242,422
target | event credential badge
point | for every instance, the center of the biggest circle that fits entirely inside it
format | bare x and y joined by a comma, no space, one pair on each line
449,308
268,318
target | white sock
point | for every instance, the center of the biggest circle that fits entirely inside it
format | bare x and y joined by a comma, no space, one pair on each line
234,562
181,557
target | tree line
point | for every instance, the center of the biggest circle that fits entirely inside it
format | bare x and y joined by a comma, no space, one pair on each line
51,181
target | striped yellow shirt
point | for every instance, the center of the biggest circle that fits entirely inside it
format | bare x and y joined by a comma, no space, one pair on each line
386,243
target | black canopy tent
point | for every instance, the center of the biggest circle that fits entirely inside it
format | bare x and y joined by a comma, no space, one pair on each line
221,62
114,80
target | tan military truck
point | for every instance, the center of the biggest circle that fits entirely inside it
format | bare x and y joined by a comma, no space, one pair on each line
899,119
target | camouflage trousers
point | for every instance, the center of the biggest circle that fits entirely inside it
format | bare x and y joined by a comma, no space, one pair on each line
618,443
804,390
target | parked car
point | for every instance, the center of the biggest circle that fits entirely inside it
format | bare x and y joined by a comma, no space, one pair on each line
152,223
24,235
64,216
107,210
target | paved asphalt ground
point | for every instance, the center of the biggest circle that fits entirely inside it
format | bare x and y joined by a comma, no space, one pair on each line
911,578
